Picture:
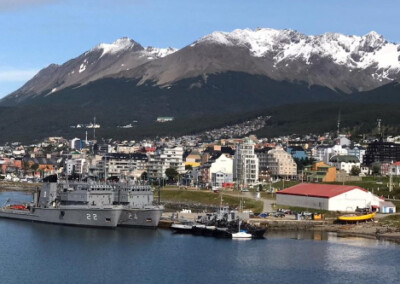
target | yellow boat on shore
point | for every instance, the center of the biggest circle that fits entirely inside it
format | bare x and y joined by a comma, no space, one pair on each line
357,218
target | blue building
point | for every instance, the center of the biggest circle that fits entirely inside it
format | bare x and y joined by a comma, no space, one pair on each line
297,152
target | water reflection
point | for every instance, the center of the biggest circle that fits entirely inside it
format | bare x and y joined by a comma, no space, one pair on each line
126,255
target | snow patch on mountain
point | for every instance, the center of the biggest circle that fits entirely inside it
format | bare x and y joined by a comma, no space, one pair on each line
155,52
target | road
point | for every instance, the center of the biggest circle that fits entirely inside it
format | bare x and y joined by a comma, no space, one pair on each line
253,195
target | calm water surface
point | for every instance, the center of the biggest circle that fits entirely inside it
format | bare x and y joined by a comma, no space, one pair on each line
42,253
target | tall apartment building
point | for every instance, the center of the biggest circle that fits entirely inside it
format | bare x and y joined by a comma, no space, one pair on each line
245,163
281,163
163,159
262,155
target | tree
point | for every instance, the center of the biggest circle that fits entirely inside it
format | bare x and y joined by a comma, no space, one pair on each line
172,174
34,167
355,171
188,167
143,176
376,169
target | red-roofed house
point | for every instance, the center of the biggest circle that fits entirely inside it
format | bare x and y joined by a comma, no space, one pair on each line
327,197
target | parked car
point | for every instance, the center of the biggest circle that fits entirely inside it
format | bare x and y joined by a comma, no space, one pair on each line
279,214
263,215
306,215
286,211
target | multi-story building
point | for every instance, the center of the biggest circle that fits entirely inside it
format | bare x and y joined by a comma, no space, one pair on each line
281,163
325,153
382,152
173,158
357,151
120,164
262,155
163,159
320,172
297,152
218,179
245,163
76,166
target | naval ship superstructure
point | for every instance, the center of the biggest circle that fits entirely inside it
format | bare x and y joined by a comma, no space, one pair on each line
60,204
89,204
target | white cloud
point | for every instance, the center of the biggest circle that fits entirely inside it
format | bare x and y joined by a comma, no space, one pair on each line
15,75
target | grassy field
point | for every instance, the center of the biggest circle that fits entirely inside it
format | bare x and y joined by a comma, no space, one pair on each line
379,186
391,221
209,198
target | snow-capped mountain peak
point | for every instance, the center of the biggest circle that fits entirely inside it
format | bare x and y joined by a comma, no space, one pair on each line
117,46
365,51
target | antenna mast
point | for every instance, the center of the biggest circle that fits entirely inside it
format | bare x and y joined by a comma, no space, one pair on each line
94,128
338,123
380,126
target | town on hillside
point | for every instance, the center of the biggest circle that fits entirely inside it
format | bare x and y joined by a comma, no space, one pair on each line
248,163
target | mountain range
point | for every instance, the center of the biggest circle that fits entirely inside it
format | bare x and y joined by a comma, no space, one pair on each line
219,74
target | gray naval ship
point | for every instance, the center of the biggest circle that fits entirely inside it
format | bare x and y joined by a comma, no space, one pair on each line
89,204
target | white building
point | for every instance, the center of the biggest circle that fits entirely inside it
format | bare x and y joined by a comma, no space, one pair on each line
221,170
219,178
163,159
75,143
245,163
222,164
325,153
345,163
173,158
328,197
123,165
76,166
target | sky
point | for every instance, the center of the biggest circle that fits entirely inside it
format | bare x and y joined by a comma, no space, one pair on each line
37,33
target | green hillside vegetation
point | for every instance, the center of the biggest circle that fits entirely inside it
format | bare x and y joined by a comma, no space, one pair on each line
196,105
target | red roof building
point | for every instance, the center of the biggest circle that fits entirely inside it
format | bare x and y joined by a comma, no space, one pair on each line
318,190
330,197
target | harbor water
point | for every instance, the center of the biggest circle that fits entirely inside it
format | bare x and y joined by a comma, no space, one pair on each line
43,253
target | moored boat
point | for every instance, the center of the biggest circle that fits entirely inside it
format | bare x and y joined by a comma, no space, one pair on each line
182,228
357,218
241,235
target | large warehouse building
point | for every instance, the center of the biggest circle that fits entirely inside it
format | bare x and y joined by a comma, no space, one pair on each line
328,197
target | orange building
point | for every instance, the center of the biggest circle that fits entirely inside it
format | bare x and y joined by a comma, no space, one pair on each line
321,172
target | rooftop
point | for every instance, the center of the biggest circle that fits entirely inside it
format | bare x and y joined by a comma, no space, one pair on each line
318,190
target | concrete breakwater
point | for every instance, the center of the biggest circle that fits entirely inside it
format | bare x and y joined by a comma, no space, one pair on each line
286,224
